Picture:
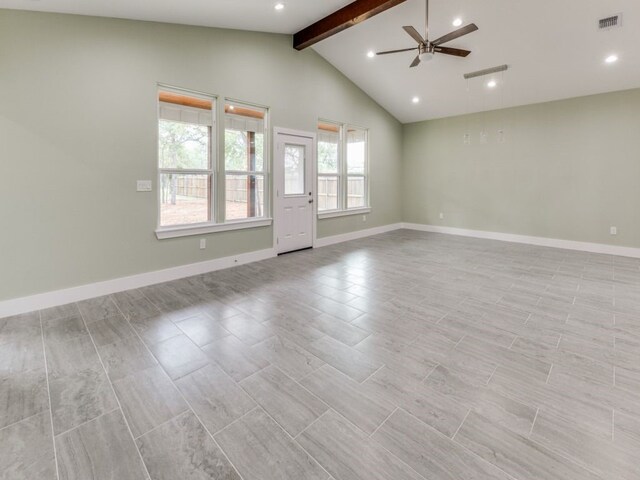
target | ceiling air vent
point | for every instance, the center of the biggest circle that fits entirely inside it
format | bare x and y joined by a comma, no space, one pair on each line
614,21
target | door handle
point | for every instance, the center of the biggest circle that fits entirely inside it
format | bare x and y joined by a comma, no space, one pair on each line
311,200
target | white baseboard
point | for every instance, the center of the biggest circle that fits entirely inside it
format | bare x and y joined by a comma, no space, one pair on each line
345,237
540,241
83,292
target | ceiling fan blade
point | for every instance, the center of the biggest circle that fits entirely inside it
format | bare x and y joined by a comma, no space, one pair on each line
458,52
396,51
456,34
414,34
416,61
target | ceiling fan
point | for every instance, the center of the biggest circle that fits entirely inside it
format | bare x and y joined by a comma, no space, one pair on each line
427,49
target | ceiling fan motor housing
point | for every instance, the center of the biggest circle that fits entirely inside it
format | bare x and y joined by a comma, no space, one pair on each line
425,52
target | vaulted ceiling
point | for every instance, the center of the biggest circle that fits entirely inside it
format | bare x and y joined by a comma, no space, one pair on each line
554,49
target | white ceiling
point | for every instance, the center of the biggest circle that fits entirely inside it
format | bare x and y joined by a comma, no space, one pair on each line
553,47
256,15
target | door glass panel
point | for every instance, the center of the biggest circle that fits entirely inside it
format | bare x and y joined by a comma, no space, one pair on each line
294,161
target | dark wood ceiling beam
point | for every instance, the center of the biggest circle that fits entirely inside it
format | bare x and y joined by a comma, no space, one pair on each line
346,17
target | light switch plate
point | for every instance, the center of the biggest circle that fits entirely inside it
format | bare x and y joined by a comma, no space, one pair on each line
143,185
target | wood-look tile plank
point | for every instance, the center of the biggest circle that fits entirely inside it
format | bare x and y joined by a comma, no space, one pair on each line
100,449
430,453
565,402
234,357
349,398
261,450
516,454
247,329
148,398
51,315
182,449
292,406
99,308
601,456
21,355
125,357
287,356
202,329
22,395
215,398
179,356
27,450
494,406
346,359
339,329
348,454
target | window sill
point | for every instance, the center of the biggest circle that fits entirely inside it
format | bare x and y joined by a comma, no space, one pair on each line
344,213
185,231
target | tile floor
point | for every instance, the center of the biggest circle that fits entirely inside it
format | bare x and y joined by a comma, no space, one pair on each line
402,356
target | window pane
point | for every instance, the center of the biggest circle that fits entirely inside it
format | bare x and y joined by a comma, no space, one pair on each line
294,161
245,196
184,199
184,145
243,151
244,138
355,192
328,193
328,147
356,150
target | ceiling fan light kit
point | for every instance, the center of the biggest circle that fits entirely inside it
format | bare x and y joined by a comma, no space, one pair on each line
426,49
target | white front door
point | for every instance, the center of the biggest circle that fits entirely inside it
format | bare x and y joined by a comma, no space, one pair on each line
294,192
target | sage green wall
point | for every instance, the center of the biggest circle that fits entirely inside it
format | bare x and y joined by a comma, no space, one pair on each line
78,128
568,169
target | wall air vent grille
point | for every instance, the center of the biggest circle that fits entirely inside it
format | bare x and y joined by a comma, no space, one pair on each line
614,21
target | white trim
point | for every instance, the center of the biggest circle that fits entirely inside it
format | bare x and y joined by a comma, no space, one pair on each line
185,231
83,292
344,213
345,237
539,241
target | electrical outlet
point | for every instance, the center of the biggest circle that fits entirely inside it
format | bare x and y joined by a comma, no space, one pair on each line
441,215
143,185
203,243
364,218
613,230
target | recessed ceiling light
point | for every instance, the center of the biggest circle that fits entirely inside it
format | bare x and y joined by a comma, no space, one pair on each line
371,54
611,59
457,22
492,84
279,6
415,100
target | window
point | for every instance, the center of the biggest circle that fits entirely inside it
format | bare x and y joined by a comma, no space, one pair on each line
204,186
185,135
244,161
342,167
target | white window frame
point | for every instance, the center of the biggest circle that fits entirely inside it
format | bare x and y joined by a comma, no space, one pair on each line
216,171
343,174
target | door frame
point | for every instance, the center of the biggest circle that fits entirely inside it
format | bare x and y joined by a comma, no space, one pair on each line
278,170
